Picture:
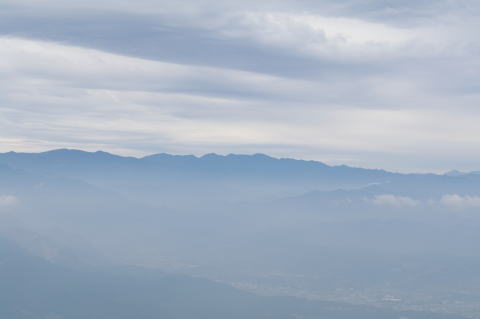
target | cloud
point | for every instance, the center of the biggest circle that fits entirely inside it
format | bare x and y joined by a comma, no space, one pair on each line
455,201
8,200
451,201
367,83
393,200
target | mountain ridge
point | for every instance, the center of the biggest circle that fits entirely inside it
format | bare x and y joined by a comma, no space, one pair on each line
67,153
168,178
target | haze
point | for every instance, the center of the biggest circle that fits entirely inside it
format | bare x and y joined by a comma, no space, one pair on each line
288,159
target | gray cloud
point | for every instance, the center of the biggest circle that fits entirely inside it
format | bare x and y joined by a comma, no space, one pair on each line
371,83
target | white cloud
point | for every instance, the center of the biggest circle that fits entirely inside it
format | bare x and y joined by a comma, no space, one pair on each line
451,201
455,201
393,200
365,85
8,200
323,36
137,106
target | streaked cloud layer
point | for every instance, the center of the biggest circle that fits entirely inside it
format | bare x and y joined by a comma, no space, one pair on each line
371,83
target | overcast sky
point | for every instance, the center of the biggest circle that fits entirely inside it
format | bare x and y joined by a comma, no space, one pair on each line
373,83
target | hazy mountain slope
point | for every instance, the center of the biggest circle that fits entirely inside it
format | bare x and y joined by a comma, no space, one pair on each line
34,288
390,234
64,161
167,179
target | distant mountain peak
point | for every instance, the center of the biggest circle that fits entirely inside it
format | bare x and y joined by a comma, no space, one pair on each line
454,173
211,155
237,156
64,150
253,162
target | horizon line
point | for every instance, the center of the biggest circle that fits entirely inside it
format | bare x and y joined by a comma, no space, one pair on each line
206,155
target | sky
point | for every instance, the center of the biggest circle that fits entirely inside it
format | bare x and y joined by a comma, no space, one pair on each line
372,83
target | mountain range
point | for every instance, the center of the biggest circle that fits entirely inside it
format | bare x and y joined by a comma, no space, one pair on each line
270,226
